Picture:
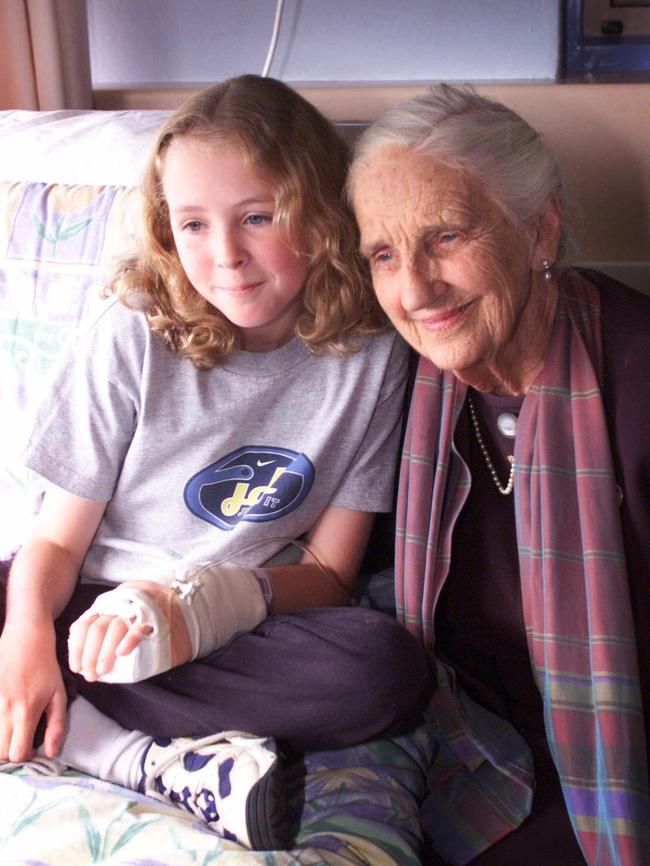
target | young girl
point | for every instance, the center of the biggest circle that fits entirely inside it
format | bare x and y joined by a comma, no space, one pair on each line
215,448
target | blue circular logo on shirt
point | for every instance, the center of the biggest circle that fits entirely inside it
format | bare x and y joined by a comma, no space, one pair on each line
252,484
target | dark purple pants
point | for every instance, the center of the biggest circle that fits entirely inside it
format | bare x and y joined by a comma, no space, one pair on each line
321,679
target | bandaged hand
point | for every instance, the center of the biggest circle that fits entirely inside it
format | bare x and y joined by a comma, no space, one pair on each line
143,628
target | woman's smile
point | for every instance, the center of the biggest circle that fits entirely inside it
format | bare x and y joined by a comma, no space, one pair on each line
447,265
445,320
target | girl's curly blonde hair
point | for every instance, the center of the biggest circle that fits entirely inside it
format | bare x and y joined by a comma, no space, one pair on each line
295,149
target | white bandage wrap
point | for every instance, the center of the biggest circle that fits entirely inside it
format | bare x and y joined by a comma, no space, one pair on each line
216,602
154,652
223,600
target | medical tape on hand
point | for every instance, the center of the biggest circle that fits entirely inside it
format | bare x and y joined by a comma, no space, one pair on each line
133,605
216,603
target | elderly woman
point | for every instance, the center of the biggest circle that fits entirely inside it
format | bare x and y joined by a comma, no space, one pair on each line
523,545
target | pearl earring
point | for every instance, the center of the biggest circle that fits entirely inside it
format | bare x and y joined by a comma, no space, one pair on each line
547,273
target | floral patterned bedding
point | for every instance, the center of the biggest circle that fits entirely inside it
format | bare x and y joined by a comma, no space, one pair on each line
353,807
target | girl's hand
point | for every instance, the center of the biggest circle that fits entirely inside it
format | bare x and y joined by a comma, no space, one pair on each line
94,642
41,582
30,685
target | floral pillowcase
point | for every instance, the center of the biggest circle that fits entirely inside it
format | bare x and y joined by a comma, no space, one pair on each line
58,246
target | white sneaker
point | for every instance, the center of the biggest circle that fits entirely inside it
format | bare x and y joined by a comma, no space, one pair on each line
233,781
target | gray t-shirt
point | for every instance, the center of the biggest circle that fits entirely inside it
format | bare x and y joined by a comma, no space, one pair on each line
220,464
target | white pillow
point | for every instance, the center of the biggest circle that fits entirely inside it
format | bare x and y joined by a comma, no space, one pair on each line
77,147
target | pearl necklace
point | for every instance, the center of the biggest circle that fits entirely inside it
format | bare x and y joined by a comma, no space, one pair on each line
507,490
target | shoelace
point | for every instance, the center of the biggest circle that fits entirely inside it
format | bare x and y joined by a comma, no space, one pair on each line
180,751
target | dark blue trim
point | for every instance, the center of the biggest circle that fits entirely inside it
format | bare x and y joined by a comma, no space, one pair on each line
594,57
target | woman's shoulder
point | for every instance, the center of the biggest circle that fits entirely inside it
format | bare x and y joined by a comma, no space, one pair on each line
625,328
624,310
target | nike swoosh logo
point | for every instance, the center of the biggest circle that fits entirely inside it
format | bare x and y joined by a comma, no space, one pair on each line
264,462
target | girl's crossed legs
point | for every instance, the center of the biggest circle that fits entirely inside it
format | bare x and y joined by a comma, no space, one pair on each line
321,679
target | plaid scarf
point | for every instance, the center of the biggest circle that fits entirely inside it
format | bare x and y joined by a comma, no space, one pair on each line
576,606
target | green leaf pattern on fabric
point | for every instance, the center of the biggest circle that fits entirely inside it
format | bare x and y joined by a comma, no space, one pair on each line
60,233
360,811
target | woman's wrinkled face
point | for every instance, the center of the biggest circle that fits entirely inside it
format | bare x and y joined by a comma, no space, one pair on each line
447,265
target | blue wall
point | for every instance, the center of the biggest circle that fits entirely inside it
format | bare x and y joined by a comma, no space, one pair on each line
192,41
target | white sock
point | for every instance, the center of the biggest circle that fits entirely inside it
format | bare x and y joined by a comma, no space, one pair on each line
97,745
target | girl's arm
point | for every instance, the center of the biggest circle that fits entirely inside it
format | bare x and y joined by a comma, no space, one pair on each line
338,539
41,583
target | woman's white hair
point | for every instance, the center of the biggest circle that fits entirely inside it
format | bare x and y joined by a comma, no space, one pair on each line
461,129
